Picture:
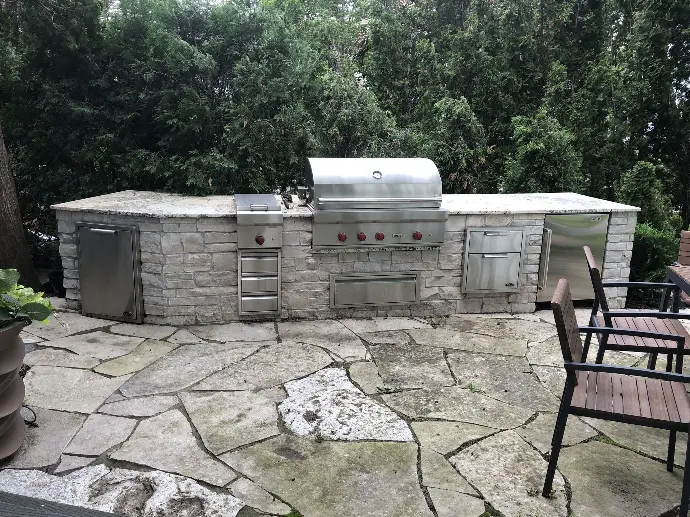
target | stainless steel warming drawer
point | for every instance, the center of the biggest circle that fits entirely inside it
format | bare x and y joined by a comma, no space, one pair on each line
110,272
358,289
493,259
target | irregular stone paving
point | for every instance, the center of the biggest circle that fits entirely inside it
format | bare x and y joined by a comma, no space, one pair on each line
236,332
100,345
47,439
228,419
100,433
145,406
611,482
52,357
386,417
411,366
331,335
327,405
269,367
68,389
446,437
124,492
504,378
510,474
185,366
148,352
327,479
459,404
166,442
146,331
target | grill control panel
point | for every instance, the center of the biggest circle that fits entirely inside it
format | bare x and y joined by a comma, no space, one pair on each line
385,234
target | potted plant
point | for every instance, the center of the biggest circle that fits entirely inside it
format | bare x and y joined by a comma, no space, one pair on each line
19,306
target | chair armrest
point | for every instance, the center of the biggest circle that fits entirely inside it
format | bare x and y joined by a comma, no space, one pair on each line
647,314
628,370
640,285
629,332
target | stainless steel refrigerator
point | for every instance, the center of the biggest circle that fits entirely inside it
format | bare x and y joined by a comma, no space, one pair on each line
562,255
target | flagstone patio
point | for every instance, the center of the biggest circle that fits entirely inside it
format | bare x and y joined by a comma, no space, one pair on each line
394,417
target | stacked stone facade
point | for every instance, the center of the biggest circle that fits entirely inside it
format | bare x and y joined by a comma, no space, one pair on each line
189,268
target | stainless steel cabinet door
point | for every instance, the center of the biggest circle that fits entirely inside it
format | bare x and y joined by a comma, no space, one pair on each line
498,272
109,280
570,232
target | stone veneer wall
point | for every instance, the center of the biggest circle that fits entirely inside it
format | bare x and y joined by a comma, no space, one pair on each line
189,268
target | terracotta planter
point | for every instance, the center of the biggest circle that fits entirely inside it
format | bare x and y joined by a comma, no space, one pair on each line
12,428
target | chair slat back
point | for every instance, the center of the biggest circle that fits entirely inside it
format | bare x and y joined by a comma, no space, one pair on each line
684,253
566,323
597,284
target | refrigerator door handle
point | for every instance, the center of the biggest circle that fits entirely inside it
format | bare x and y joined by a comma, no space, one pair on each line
544,260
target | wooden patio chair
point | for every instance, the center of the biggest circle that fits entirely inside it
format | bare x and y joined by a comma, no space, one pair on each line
637,396
665,324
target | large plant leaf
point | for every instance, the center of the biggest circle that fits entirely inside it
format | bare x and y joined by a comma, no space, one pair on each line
36,311
8,279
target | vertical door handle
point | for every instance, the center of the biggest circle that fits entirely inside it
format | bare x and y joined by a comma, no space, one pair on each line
545,258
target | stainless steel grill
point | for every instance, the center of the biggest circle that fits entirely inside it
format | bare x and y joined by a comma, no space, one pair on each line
375,202
259,242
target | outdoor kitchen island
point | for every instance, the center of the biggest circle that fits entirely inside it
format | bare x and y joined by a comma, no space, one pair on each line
183,259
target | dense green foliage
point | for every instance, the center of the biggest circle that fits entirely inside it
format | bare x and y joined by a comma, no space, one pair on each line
207,97
19,303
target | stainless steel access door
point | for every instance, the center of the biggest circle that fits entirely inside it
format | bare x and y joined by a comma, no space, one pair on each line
109,272
566,259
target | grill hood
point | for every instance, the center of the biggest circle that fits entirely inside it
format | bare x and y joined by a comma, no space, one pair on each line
373,183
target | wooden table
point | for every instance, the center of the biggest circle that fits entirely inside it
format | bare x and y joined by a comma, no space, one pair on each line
680,276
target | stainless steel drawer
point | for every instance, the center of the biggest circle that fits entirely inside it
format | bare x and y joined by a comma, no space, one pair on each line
366,289
259,264
253,304
492,272
273,237
495,241
260,284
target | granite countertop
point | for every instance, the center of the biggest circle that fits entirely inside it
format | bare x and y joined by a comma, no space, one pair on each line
157,205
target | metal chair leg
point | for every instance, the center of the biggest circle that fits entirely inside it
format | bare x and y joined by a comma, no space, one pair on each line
669,362
603,341
651,364
671,451
557,440
685,496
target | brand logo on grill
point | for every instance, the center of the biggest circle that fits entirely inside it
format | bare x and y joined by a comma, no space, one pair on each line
398,234
377,175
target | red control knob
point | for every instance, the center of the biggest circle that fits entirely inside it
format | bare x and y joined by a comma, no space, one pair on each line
362,236
380,236
260,240
342,237
417,236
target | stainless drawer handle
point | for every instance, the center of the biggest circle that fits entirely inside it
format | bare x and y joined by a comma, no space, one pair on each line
102,230
258,207
495,255
496,234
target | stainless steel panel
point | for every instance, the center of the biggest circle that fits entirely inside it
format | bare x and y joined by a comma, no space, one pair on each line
492,272
257,203
258,278
544,259
258,304
258,265
380,216
246,236
260,284
495,241
109,272
355,183
356,290
395,234
567,259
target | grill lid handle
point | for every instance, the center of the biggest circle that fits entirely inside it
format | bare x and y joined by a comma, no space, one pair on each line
258,208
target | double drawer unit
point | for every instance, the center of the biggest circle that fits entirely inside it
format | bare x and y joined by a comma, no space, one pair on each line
493,259
259,239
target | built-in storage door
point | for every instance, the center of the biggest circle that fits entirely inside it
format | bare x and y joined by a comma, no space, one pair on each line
109,278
